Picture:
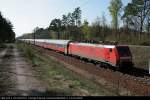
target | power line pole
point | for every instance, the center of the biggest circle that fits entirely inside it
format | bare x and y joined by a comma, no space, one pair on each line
34,37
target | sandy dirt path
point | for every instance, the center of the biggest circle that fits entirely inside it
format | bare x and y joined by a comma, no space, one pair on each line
26,83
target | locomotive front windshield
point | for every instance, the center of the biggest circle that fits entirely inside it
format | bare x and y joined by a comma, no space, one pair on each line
124,51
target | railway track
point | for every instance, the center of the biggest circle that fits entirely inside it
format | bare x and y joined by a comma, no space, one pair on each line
135,80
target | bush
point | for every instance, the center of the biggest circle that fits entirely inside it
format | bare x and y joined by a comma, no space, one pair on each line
2,45
145,43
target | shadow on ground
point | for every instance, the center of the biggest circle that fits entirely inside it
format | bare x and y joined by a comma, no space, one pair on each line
134,71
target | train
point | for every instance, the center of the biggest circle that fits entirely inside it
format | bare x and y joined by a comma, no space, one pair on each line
114,55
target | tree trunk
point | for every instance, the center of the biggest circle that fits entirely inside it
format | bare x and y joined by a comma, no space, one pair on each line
116,33
141,29
58,35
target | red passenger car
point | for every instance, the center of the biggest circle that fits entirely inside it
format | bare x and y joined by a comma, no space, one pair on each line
57,45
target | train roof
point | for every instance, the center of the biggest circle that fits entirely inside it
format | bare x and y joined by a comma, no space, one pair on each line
61,42
96,45
65,42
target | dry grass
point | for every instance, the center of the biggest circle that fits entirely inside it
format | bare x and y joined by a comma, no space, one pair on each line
141,56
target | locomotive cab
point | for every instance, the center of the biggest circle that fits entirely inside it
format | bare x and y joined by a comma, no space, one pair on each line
124,56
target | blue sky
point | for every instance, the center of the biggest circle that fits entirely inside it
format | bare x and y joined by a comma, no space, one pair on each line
25,15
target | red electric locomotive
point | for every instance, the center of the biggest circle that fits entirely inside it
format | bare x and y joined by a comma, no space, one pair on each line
114,55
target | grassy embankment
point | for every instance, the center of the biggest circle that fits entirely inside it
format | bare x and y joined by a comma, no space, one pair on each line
59,80
141,56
